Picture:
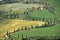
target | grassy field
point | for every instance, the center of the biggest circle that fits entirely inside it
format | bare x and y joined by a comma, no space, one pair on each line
9,24
42,14
49,31
38,14
56,5
17,7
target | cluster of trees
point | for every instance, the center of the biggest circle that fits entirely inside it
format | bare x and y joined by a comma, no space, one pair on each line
24,38
2,15
9,16
12,16
36,1
34,8
18,37
50,8
36,38
32,19
24,1
10,1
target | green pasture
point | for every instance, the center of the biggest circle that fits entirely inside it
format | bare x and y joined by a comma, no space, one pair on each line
42,14
48,31
16,6
56,5
21,8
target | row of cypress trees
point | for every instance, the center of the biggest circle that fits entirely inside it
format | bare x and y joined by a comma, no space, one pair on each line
32,27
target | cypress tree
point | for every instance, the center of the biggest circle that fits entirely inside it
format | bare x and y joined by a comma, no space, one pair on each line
26,36
22,36
18,36
25,28
24,13
28,28
27,12
43,19
32,27
7,33
17,15
14,29
9,36
33,19
48,23
22,28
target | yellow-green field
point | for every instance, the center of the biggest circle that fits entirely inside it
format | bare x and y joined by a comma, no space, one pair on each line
11,24
18,8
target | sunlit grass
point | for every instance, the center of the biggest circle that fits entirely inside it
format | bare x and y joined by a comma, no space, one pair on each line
18,24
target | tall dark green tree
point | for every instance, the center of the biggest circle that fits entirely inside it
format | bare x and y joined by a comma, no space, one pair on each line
26,36
22,36
33,19
22,29
32,27
7,33
14,29
28,28
18,36
25,28
9,36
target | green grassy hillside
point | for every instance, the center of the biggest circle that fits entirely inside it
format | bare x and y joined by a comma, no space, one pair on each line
49,31
21,8
56,5
42,14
